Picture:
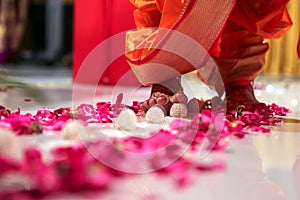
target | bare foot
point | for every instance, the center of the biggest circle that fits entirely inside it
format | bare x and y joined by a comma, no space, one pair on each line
240,95
165,94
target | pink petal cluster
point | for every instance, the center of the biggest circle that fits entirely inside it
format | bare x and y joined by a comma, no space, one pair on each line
103,112
26,124
74,168
257,118
47,119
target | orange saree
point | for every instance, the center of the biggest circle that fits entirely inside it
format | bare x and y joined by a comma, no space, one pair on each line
231,31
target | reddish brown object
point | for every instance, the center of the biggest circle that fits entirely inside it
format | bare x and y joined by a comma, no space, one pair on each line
298,48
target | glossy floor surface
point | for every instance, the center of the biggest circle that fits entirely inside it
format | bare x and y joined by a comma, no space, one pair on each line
259,167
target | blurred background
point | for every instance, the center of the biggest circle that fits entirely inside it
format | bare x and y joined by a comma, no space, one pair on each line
59,34
36,32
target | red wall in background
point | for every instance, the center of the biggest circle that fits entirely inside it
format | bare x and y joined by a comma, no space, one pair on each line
95,21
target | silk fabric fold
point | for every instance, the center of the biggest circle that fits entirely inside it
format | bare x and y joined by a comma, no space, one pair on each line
231,31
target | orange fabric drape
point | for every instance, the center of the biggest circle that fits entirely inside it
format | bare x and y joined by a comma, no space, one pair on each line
224,28
191,17
241,51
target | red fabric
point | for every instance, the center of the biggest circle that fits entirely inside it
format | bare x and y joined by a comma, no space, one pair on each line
193,23
298,48
240,52
95,21
237,44
267,18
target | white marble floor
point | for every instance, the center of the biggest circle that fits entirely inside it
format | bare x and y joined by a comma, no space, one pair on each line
259,167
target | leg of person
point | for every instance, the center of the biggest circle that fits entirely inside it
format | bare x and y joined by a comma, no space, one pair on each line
240,53
240,66
239,27
165,94
184,18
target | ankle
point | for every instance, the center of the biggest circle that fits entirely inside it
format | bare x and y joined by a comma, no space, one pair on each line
168,87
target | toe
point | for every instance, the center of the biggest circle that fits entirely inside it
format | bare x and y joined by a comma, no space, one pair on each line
162,99
179,97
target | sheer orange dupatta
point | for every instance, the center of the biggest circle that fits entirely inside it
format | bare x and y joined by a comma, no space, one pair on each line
186,31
